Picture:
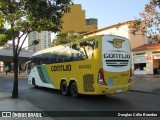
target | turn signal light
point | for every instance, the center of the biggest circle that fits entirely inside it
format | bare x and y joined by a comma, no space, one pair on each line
101,79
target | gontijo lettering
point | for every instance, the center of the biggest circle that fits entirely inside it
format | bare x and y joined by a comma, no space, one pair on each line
61,68
114,55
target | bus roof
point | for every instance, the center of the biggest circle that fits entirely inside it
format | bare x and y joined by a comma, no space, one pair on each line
61,46
47,50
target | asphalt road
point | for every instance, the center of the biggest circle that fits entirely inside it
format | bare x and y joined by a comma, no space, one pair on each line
52,100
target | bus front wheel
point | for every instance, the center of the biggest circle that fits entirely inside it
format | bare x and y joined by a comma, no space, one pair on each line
34,83
73,89
64,88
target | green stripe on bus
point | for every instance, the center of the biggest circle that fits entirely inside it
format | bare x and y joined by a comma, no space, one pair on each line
40,73
45,74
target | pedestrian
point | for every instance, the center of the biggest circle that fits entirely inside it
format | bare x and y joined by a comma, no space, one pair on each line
6,69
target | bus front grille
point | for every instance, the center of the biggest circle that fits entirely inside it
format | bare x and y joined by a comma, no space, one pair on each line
117,62
88,81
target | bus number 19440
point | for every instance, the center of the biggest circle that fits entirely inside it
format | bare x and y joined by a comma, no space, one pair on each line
85,66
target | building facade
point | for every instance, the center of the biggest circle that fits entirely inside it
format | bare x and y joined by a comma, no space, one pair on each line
44,38
75,20
91,24
121,29
146,59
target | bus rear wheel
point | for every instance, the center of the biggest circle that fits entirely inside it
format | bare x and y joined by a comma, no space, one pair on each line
64,88
73,89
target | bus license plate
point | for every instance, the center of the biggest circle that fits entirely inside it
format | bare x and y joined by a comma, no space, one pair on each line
118,91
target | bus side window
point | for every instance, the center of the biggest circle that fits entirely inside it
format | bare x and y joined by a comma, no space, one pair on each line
72,57
96,44
49,58
87,49
39,60
32,65
42,59
35,60
53,60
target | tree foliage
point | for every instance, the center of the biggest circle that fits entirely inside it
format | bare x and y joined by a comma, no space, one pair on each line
5,35
65,38
32,15
20,17
150,21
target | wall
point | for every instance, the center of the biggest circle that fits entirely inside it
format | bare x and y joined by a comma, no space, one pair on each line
90,27
74,20
123,30
137,40
44,38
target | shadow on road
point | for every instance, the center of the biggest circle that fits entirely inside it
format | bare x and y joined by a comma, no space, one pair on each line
109,99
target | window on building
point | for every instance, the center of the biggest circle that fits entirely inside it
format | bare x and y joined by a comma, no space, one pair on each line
139,66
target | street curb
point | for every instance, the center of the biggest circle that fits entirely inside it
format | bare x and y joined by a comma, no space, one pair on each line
144,92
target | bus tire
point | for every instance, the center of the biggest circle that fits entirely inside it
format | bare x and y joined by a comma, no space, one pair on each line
64,88
73,89
34,83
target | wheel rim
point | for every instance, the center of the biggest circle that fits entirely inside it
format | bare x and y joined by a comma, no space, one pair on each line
64,88
74,91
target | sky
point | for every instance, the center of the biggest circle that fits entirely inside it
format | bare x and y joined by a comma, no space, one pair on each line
110,12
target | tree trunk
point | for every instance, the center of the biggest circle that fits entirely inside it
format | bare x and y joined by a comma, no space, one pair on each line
15,84
15,55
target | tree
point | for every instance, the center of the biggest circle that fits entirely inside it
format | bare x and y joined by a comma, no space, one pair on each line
150,22
20,17
64,38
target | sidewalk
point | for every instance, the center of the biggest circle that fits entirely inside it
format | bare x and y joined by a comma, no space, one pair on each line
20,105
146,83
11,74
8,104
